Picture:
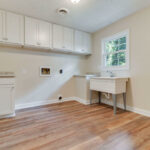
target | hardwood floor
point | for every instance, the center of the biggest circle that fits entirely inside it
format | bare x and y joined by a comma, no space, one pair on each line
73,126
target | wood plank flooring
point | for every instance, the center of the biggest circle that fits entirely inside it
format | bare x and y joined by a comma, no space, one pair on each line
74,126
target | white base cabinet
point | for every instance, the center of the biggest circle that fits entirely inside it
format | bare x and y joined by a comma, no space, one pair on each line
7,103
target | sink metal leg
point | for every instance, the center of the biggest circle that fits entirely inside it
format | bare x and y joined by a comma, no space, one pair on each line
99,94
90,96
114,97
124,100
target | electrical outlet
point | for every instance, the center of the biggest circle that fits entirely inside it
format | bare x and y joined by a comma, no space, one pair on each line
61,71
60,97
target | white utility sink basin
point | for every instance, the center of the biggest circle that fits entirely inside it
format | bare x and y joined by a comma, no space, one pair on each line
113,85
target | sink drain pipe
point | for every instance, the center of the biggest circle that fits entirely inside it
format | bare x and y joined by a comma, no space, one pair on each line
107,95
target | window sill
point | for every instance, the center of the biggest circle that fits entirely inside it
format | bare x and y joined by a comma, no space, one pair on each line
115,68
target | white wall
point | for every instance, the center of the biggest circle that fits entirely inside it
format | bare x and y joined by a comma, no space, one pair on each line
139,84
30,87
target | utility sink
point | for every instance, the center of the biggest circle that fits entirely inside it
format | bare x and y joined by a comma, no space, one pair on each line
113,85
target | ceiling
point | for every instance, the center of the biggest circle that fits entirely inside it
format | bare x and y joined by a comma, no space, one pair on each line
88,15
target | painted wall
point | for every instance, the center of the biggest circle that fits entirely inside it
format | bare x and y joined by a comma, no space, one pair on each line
30,87
139,84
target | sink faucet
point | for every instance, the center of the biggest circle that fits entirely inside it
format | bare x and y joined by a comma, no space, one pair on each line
111,74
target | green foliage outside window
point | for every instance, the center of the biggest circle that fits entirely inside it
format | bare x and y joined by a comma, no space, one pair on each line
116,52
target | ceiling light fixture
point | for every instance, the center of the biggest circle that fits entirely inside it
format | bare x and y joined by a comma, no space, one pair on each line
62,11
75,1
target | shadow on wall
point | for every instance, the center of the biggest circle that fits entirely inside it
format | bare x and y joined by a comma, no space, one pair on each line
36,51
46,90
30,87
129,93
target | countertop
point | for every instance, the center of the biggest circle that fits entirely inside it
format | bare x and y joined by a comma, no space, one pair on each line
85,75
111,78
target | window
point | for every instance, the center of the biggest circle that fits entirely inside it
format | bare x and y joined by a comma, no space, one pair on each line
115,52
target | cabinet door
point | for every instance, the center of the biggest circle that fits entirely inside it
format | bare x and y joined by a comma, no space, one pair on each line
31,31
68,39
6,100
44,34
87,42
57,37
14,28
79,41
2,25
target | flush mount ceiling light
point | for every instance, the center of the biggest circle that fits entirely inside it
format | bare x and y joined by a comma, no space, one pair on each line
75,1
63,11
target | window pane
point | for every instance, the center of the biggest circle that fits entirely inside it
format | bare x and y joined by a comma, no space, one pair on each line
109,60
122,47
122,58
118,59
116,42
115,62
122,55
115,56
122,40
111,46
112,60
122,62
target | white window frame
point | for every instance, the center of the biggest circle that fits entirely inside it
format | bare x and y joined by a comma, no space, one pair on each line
103,56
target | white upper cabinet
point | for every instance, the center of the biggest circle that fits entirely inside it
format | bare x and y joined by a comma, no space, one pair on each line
78,41
11,28
82,42
31,31
26,31
87,42
68,38
44,34
63,38
57,37
37,33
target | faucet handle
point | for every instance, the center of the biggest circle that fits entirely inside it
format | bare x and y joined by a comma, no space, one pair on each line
111,74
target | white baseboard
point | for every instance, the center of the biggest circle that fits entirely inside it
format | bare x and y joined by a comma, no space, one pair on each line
8,116
129,108
41,103
85,102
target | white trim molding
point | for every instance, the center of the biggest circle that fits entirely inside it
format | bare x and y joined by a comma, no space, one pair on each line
8,116
41,103
110,38
129,108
